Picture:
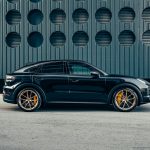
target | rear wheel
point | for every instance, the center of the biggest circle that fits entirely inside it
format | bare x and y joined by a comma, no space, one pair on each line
29,99
125,99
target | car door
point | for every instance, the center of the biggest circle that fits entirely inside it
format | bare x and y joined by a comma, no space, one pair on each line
83,87
54,81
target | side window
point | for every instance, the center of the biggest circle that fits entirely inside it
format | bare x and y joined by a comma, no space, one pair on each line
53,68
33,69
80,69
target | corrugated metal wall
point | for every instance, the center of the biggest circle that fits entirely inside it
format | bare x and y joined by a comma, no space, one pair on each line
114,35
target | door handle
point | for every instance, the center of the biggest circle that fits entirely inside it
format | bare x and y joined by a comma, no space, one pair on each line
74,81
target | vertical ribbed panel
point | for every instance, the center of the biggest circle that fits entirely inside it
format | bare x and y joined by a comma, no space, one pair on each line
114,35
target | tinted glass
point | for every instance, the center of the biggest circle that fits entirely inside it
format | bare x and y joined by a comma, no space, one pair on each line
53,68
80,69
33,69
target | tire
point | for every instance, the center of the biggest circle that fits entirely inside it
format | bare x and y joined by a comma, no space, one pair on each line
125,99
29,100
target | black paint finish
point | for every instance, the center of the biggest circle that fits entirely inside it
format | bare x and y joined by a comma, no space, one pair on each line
71,81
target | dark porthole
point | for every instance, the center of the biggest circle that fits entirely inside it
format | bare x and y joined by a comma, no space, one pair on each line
35,17
58,16
13,17
126,37
35,39
58,39
146,14
35,1
13,39
103,15
126,14
146,37
80,15
103,38
80,38
13,1
57,0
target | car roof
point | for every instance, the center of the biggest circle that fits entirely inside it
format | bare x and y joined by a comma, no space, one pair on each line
49,61
33,64
30,65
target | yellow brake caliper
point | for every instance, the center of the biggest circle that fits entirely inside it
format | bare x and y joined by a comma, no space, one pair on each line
35,100
119,97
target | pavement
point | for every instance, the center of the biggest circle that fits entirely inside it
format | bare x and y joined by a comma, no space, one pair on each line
74,127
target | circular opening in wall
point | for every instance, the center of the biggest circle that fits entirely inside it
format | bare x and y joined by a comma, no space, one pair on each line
146,37
80,15
126,37
35,39
35,1
103,38
126,14
80,38
58,16
57,0
35,17
13,39
13,17
13,1
103,15
146,14
58,39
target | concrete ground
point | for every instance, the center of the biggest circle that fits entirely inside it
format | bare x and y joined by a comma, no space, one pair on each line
74,127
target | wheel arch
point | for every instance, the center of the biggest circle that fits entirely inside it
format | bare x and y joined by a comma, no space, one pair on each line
127,85
34,86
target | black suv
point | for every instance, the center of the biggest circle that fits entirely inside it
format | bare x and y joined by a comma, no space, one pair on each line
72,81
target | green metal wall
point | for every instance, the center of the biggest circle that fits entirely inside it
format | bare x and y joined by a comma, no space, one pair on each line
116,35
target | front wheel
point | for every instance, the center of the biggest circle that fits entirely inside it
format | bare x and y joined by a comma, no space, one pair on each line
29,99
125,99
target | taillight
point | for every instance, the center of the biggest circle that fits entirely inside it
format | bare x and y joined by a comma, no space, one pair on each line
9,78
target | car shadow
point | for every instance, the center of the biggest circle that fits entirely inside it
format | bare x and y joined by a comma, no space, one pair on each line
87,107
76,107
143,108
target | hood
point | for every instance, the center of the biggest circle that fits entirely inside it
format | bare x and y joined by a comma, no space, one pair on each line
117,75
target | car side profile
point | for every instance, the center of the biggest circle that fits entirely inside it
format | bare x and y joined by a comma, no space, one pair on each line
70,81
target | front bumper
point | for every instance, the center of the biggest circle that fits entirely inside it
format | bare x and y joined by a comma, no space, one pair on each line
146,99
145,95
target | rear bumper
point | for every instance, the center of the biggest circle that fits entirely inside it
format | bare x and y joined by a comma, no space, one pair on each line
9,93
9,101
8,96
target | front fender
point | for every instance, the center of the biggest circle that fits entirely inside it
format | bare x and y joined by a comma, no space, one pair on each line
129,85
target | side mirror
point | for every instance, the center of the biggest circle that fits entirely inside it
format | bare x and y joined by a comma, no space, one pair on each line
95,75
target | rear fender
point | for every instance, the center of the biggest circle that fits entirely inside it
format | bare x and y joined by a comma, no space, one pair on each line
29,85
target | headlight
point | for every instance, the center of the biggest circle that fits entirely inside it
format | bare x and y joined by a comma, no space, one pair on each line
142,81
9,78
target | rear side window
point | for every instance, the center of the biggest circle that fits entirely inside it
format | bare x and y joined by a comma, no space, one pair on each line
53,68
34,69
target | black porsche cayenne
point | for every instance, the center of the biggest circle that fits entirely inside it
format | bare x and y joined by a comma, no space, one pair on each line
69,81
